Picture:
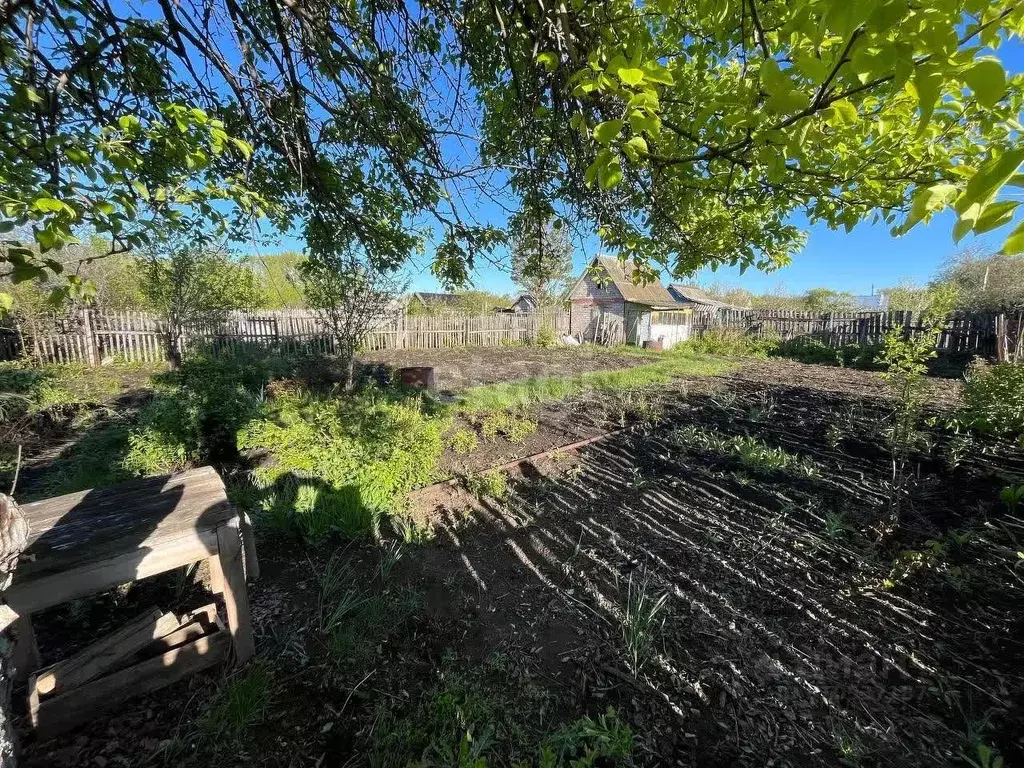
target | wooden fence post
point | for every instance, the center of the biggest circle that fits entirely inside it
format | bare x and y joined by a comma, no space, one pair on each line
90,340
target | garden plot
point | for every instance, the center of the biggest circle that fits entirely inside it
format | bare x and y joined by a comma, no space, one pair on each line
462,367
793,633
715,575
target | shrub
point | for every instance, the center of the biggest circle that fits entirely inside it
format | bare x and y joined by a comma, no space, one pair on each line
196,413
493,484
339,464
732,342
545,337
817,352
463,441
811,351
514,428
994,398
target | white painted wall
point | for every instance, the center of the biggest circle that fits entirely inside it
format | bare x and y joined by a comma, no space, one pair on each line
672,334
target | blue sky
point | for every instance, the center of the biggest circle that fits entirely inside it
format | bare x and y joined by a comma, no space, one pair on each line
866,259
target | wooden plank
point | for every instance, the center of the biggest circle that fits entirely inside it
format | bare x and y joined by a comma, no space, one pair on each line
191,625
36,594
60,713
236,599
105,654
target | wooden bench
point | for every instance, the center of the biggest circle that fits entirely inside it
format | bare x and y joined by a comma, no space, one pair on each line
88,542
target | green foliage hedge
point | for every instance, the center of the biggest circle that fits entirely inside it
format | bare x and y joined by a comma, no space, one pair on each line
994,398
195,414
339,464
733,342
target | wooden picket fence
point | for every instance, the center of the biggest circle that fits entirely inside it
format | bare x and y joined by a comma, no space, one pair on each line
93,337
987,334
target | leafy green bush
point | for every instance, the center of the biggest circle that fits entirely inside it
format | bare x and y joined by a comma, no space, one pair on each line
463,441
545,337
732,342
752,453
514,428
994,398
817,352
493,484
196,413
808,351
167,437
339,464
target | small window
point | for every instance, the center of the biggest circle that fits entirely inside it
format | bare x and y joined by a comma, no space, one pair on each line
671,317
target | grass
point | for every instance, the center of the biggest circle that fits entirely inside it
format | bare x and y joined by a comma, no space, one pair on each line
546,389
640,623
751,452
241,703
490,713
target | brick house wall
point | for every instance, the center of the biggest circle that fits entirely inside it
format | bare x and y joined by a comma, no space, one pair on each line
589,302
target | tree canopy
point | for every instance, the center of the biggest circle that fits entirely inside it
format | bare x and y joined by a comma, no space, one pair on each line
541,256
688,133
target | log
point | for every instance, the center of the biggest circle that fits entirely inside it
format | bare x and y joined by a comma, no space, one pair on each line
190,626
13,538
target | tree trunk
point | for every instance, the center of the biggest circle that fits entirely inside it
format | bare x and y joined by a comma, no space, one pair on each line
13,537
172,351
350,372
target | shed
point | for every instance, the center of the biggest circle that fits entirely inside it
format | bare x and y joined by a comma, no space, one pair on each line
526,302
443,302
608,306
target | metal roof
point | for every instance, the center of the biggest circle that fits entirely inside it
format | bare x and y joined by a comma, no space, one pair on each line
620,274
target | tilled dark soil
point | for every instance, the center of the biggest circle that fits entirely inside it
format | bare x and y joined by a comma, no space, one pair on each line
797,630
462,367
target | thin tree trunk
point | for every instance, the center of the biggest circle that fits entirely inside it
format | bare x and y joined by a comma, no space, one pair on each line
13,538
350,372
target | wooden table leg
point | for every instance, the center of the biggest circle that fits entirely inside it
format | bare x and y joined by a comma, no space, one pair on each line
25,658
252,563
236,600
216,575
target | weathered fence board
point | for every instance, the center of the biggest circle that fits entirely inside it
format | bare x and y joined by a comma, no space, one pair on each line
965,333
92,337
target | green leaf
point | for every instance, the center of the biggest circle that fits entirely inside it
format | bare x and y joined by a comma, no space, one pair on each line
641,123
988,81
990,178
6,303
48,205
784,102
995,215
926,201
548,60
630,76
772,79
1014,243
961,228
243,146
928,80
656,73
610,175
638,144
608,131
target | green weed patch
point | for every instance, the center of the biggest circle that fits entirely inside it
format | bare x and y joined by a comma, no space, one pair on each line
526,392
339,464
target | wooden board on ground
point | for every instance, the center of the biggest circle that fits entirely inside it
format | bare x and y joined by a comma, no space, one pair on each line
105,654
191,625
60,713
